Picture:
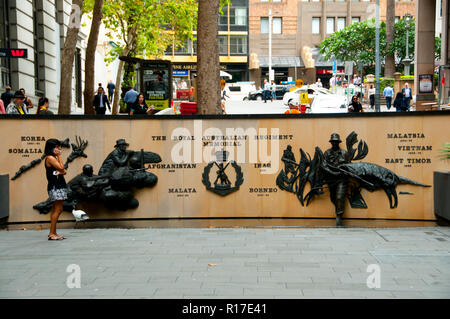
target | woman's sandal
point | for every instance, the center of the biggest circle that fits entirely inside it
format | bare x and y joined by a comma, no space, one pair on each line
57,238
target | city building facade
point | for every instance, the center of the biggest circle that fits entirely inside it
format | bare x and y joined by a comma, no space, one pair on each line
298,28
233,46
40,27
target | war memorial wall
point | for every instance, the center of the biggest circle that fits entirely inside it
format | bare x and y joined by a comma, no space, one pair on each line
233,166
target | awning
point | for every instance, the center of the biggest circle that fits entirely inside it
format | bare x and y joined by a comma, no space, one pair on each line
281,62
320,61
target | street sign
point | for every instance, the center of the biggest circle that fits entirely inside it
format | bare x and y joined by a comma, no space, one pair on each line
334,66
304,98
349,68
14,53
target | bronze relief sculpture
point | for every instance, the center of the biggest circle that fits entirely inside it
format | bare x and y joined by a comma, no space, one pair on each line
343,178
121,171
222,184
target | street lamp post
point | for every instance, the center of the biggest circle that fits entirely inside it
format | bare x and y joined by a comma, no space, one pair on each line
270,46
377,59
407,61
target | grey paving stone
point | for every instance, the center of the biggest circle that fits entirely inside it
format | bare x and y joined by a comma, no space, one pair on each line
174,262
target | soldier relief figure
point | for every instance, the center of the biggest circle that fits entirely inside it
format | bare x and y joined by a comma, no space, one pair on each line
121,171
343,178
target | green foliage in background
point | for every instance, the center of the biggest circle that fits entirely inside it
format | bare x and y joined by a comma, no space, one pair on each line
445,152
356,42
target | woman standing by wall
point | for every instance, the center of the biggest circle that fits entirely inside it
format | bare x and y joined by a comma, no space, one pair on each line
57,187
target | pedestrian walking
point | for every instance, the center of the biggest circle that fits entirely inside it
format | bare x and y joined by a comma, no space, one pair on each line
17,106
400,103
100,102
7,96
372,96
407,95
130,97
111,87
43,107
27,100
388,94
266,91
56,187
274,91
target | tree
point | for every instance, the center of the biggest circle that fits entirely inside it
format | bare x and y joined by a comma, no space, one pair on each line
357,43
399,45
89,66
208,63
146,28
389,67
70,43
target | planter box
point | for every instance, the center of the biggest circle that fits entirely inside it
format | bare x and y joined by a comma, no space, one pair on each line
441,181
4,198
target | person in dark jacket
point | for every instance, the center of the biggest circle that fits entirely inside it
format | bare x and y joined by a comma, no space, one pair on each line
111,87
399,103
101,101
7,96
355,106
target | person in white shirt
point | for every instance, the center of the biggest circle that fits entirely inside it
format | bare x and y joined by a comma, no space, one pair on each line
319,83
266,92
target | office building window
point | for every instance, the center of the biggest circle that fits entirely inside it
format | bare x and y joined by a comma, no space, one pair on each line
315,25
38,34
238,16
277,25
78,88
223,45
340,24
330,25
183,48
238,44
264,25
355,19
223,18
4,43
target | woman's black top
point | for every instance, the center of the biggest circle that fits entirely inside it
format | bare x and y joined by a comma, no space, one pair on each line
357,107
139,109
54,181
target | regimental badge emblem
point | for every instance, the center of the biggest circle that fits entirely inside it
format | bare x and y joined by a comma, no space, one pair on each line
222,184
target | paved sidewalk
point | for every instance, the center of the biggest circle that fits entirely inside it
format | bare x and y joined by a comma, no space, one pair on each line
227,263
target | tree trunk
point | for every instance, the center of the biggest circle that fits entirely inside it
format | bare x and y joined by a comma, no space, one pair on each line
208,63
117,91
131,36
68,55
89,66
389,67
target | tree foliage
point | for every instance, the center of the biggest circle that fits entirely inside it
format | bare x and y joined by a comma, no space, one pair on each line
142,25
146,27
356,42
